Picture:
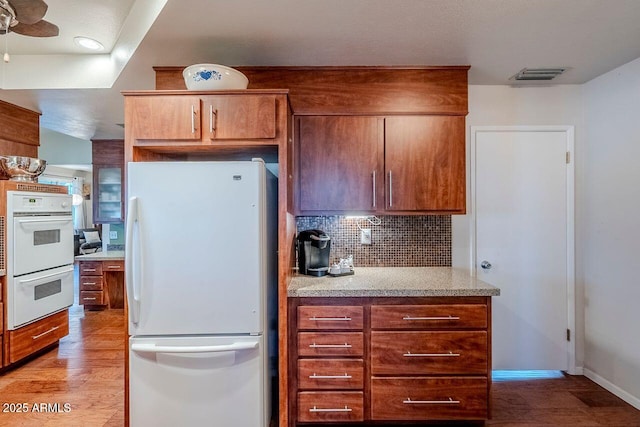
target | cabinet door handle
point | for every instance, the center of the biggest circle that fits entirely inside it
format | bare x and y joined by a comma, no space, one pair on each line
450,354
316,409
35,337
345,345
330,319
390,189
431,402
193,119
431,318
374,189
330,377
213,115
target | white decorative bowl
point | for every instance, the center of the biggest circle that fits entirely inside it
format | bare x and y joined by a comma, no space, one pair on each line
19,168
213,77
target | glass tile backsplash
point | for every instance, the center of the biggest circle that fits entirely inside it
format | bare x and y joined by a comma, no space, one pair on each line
398,241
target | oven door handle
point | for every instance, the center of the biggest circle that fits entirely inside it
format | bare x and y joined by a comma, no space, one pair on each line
45,220
36,279
133,287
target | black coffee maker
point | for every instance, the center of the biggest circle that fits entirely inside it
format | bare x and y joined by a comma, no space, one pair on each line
313,252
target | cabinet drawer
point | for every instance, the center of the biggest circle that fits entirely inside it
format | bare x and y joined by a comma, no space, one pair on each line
423,353
36,336
329,317
90,283
91,268
91,298
112,266
330,374
330,344
428,398
445,316
322,406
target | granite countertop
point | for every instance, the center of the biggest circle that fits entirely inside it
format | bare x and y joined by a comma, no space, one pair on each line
393,282
101,256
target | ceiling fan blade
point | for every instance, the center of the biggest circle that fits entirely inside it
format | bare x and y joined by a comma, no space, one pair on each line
39,29
29,11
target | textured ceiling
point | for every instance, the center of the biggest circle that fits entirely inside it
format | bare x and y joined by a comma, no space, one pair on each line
496,37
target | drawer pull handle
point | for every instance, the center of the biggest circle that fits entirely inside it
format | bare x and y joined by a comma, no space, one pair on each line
432,318
88,283
316,409
450,354
35,337
345,345
330,377
113,266
89,299
88,269
330,319
431,402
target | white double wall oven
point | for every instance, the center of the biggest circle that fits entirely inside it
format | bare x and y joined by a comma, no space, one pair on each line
39,256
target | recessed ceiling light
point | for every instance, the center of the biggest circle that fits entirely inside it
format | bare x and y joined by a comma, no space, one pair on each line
88,43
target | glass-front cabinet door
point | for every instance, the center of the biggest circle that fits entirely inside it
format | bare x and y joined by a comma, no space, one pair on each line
107,205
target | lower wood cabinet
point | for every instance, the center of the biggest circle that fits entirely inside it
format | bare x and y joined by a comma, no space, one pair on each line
102,284
38,335
436,398
408,359
323,407
432,352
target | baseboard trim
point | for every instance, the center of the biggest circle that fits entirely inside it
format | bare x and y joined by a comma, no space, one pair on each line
627,397
578,370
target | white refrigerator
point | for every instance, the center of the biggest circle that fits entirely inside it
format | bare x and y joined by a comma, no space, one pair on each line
201,275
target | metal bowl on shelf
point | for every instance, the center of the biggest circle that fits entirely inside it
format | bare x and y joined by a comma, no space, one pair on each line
20,168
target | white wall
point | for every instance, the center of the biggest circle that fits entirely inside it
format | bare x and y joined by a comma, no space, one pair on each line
511,106
610,229
60,149
606,116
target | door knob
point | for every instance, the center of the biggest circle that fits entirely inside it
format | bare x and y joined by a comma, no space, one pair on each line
486,265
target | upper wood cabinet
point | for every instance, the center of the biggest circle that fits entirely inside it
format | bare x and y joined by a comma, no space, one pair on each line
340,159
425,163
108,179
201,118
164,117
383,165
240,117
19,131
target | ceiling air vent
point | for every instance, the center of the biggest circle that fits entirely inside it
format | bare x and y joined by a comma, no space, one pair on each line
533,74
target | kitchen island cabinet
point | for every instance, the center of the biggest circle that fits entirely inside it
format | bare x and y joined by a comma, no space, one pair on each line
414,348
381,165
101,280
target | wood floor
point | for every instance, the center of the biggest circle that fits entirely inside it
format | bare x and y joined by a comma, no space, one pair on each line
86,371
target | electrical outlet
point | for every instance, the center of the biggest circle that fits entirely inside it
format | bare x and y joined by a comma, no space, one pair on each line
365,236
113,235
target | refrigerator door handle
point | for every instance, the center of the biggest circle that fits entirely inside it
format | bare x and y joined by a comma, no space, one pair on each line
153,348
133,287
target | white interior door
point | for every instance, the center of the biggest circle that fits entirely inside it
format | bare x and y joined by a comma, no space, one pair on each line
523,192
